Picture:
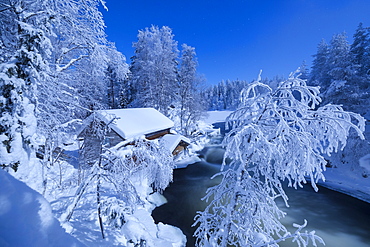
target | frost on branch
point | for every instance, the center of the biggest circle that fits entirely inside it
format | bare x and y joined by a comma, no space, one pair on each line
275,136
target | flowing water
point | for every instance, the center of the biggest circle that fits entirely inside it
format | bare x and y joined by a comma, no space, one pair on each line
341,220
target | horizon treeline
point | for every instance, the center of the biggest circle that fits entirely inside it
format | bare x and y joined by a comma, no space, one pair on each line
341,69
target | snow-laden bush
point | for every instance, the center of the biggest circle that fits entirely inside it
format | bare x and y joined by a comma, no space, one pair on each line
276,135
142,165
121,177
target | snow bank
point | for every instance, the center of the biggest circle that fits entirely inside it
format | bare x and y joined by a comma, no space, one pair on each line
140,227
26,218
343,179
365,162
187,161
216,116
350,174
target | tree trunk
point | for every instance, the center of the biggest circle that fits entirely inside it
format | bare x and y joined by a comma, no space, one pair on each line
77,198
99,208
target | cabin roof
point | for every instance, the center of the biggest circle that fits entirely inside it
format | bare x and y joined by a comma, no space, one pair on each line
171,141
132,122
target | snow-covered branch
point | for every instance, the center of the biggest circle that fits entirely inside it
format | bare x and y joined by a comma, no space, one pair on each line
70,63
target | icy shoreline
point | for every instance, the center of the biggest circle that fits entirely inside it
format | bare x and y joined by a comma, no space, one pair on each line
339,179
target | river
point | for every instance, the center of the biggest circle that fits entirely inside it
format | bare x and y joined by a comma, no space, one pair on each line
341,220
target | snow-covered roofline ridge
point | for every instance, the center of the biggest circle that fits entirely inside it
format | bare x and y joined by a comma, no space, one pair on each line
133,122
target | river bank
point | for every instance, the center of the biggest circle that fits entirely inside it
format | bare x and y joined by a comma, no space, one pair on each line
344,178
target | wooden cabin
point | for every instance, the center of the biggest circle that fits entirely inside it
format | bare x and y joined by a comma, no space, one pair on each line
133,122
129,123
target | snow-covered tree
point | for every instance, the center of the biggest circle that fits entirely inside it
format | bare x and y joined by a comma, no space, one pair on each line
23,68
77,84
154,69
116,76
320,66
190,106
79,61
349,87
303,69
333,69
275,136
8,30
340,59
127,92
224,95
360,50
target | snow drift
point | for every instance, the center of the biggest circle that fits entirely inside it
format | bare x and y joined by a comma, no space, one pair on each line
26,218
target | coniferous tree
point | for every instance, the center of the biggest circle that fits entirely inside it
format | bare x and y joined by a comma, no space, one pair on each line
303,69
20,74
360,50
320,66
224,95
342,88
340,59
117,71
348,84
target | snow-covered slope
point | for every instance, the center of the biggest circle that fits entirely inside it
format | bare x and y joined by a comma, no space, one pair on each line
343,179
26,218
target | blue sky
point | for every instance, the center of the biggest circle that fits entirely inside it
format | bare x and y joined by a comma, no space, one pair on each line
234,39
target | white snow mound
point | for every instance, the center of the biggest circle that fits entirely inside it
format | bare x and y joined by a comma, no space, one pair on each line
365,162
26,218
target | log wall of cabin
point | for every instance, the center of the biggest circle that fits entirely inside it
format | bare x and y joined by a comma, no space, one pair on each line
157,134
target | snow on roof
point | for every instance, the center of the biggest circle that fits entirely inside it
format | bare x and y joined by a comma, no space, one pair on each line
171,141
132,122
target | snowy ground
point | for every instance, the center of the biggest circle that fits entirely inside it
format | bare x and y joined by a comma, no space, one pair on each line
38,225
26,218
